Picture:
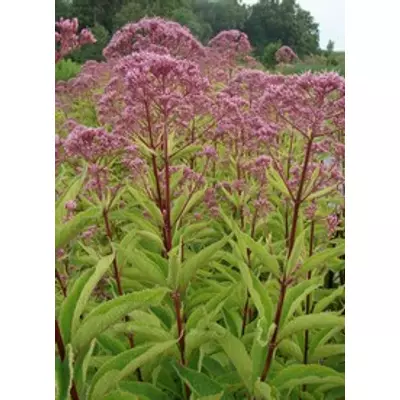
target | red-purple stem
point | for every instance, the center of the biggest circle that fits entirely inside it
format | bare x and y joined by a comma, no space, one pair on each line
284,281
61,352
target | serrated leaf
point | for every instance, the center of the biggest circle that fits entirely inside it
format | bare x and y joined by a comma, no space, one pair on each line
113,371
70,194
325,351
319,259
107,314
326,301
100,269
296,252
148,205
148,390
140,262
296,295
65,374
269,261
68,306
199,260
198,382
321,192
68,231
121,395
291,350
262,391
311,321
295,375
236,351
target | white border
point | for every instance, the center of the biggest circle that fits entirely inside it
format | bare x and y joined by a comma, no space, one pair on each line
27,200
372,200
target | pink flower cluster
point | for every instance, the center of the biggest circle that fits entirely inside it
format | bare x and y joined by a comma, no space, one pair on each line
285,55
91,143
153,35
68,39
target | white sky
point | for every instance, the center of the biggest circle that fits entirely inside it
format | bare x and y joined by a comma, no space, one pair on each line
330,16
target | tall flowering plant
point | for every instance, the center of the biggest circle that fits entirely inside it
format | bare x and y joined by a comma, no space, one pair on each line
198,216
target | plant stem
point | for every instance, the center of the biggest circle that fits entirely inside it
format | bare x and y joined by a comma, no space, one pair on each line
117,277
167,205
61,352
308,299
284,280
176,297
63,288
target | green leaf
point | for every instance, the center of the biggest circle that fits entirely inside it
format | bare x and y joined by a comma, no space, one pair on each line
71,194
326,301
108,313
141,389
82,366
148,205
236,351
199,260
120,366
68,306
121,395
321,192
277,182
198,382
101,268
148,269
291,350
296,375
318,260
268,261
152,238
311,321
68,231
258,293
326,351
262,391
296,295
174,267
296,252
65,374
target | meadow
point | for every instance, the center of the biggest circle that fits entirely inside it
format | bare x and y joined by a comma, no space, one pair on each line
199,221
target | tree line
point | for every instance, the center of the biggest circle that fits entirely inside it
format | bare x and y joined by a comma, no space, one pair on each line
268,23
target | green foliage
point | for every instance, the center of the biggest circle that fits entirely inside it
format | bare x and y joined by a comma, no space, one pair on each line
268,57
93,51
66,69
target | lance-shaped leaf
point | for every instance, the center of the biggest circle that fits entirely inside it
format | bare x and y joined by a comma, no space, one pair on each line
236,352
325,351
65,374
261,252
296,375
326,301
107,314
198,382
70,194
120,366
68,306
143,389
140,262
296,252
122,395
318,260
199,260
68,231
311,321
101,268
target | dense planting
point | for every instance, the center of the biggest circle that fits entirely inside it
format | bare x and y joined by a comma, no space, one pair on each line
199,223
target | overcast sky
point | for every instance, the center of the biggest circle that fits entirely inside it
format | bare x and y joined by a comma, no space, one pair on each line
330,16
